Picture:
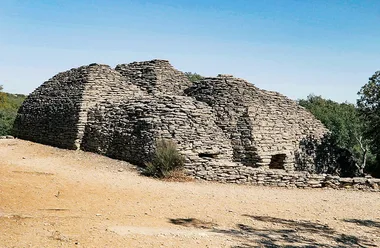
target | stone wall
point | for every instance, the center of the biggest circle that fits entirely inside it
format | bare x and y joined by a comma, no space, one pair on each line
265,127
156,76
50,115
104,83
224,126
56,112
239,174
189,124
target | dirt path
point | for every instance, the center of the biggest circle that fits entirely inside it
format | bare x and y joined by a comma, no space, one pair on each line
57,198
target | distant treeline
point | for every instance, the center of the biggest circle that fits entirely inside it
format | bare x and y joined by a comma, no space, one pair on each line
9,105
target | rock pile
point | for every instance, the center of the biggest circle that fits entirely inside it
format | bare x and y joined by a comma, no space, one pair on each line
7,137
232,173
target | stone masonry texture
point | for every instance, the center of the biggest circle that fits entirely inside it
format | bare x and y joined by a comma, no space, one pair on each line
227,129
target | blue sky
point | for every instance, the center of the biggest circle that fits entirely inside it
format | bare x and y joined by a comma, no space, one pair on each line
295,47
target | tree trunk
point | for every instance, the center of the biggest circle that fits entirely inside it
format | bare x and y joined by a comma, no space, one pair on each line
364,158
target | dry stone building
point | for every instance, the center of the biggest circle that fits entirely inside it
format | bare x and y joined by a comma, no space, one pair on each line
224,126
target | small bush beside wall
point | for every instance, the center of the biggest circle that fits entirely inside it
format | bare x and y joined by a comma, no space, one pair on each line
166,161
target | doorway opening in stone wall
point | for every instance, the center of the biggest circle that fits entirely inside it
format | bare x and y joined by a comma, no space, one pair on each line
208,155
277,161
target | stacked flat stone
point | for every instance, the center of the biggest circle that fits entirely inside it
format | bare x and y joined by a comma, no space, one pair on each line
50,115
155,76
128,130
239,174
265,127
6,137
56,112
227,129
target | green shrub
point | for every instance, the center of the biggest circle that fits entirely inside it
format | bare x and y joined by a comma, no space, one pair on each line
166,160
9,105
193,77
7,118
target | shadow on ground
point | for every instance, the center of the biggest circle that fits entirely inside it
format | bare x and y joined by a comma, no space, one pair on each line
367,223
285,233
193,222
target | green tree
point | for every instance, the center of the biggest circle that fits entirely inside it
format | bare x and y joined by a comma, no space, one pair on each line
369,109
193,77
345,124
7,118
2,97
9,105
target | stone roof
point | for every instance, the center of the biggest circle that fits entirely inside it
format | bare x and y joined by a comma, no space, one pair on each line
121,112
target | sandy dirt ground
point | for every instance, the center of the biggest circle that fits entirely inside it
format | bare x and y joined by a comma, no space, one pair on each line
56,198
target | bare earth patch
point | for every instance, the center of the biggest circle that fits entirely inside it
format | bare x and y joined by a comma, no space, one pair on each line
56,198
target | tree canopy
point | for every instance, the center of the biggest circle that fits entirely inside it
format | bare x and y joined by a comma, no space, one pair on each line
346,138
369,110
9,105
342,119
2,97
